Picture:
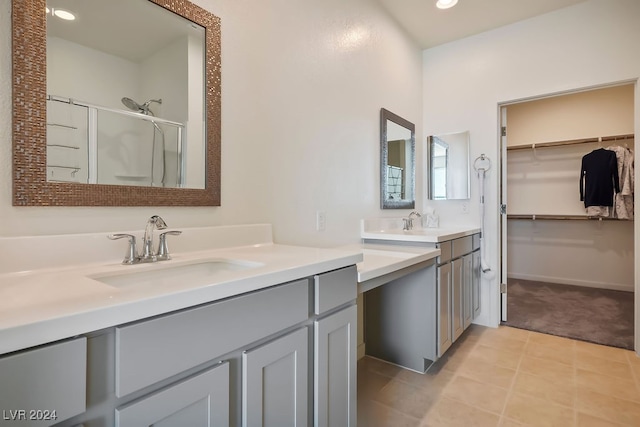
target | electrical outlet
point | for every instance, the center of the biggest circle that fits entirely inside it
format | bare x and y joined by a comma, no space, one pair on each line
465,208
321,221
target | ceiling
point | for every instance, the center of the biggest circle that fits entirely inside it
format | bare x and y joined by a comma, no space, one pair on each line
430,26
152,27
133,30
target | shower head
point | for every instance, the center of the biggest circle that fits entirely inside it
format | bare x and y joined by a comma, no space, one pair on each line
131,104
144,108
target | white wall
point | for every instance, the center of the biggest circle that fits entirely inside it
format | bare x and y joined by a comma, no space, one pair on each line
590,44
302,87
75,69
301,110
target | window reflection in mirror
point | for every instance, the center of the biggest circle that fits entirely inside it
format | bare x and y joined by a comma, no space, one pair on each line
449,166
397,149
125,102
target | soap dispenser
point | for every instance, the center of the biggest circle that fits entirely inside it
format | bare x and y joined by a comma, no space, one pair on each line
430,218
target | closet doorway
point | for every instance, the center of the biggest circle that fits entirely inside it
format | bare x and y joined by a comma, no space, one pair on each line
566,270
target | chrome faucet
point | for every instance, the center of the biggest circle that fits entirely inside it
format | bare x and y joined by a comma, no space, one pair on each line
148,254
153,223
407,223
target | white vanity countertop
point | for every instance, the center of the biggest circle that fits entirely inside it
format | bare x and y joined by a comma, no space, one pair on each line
50,304
426,235
380,259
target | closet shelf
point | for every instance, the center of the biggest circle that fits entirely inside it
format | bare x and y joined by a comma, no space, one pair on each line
64,167
571,142
536,217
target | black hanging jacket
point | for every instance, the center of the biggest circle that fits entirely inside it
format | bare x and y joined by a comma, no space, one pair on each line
599,178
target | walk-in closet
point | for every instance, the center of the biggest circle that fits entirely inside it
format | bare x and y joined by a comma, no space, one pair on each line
570,267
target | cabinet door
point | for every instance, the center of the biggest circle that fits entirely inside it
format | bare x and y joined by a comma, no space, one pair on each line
445,338
275,380
202,400
467,285
457,297
335,369
475,286
48,380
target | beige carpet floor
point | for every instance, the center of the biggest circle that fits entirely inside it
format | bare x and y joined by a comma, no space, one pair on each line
595,315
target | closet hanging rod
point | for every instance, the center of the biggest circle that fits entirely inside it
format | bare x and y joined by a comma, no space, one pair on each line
571,142
73,147
64,167
536,217
62,126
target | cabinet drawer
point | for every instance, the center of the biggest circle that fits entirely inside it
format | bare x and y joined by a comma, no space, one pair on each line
445,252
335,288
47,379
150,351
461,246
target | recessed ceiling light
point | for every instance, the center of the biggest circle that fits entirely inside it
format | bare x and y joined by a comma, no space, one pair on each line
446,4
64,14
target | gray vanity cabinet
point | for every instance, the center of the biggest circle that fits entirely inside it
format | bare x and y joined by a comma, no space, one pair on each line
458,277
275,380
202,400
43,386
413,319
284,355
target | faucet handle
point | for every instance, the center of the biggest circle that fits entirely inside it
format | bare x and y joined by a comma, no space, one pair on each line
131,257
163,248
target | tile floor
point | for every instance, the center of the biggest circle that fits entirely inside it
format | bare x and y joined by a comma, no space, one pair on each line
505,377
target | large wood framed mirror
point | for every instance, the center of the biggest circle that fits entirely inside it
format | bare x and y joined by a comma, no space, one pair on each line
42,172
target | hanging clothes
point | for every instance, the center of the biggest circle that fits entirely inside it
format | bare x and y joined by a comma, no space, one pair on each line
599,178
623,202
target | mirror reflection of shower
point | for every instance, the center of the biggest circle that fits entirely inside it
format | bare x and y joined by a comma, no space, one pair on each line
144,109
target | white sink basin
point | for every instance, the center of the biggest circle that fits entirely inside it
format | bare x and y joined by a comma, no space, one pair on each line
191,275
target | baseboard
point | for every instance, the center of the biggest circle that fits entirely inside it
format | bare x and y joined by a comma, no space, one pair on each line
575,282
